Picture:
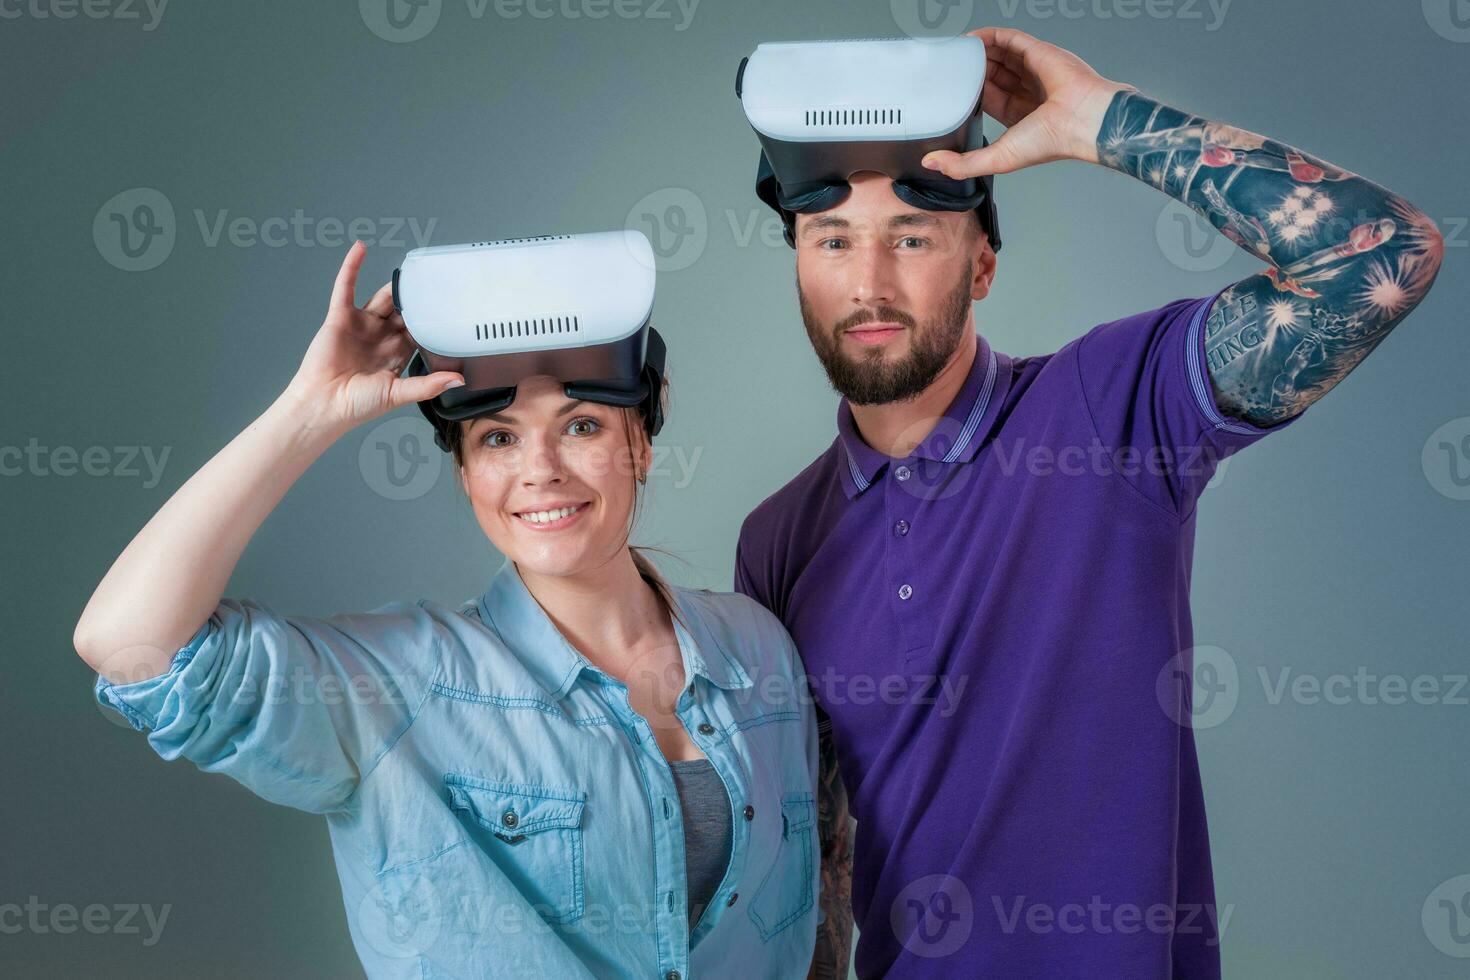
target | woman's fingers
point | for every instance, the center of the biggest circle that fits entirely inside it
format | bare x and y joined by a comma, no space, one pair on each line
344,290
382,302
405,391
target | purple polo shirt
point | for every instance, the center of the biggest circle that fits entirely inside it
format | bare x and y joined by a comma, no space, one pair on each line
997,626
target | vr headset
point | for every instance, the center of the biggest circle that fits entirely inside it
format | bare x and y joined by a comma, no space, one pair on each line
824,110
575,307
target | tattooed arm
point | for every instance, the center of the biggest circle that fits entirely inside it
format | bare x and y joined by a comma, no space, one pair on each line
834,830
1346,260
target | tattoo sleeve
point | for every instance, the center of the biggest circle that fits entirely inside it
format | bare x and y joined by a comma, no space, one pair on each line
1346,260
835,831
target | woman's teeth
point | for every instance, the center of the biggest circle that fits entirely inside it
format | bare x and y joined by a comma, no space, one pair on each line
547,516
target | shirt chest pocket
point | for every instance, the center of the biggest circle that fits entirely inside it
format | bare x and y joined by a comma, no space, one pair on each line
788,890
532,833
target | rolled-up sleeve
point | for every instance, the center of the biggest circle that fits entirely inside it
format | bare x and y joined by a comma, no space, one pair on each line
298,710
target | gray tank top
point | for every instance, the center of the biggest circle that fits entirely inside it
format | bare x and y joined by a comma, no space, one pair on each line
706,808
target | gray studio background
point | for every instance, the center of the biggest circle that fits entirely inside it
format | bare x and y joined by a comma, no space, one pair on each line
1337,548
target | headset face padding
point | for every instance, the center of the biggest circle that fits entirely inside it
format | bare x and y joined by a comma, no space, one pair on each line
459,404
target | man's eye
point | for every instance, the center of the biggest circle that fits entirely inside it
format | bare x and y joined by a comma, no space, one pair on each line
832,244
584,427
497,439
912,241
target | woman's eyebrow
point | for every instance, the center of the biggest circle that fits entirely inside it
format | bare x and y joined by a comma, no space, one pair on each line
508,419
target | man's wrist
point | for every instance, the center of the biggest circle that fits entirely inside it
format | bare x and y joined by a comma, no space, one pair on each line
1094,114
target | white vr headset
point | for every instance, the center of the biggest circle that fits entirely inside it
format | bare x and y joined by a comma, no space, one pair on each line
575,307
824,110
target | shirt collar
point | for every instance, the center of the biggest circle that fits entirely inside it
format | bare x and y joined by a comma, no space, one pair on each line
509,608
956,437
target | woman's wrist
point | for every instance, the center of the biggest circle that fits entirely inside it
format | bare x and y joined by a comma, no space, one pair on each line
310,417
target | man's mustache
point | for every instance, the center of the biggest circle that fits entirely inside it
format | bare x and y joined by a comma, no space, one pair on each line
887,314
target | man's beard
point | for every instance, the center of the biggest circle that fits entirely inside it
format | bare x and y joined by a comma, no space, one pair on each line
869,380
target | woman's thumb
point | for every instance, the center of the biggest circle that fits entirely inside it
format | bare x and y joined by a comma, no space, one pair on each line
417,389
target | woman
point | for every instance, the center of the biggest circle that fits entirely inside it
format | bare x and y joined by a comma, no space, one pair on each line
585,772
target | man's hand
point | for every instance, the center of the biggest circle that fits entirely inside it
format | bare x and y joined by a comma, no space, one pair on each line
1050,101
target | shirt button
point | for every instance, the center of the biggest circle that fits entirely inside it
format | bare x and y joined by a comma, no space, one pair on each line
672,975
705,728
905,590
731,900
903,472
749,812
901,528
509,818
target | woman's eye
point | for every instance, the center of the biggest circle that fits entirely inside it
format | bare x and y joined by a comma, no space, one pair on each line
497,439
583,427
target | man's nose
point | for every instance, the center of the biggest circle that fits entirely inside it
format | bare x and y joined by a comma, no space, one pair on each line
874,282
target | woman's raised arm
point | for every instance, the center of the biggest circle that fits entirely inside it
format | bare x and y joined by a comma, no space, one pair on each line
172,575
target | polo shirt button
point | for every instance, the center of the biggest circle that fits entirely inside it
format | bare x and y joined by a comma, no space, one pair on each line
749,812
731,900
672,975
903,472
509,818
905,590
901,528
705,728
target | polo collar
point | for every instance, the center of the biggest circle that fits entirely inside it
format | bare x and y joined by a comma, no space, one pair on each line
513,613
956,437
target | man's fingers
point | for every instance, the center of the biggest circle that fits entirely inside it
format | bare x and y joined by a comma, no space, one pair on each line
344,290
1016,50
997,158
999,76
1007,106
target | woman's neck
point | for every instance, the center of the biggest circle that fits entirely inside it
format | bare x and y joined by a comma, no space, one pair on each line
607,613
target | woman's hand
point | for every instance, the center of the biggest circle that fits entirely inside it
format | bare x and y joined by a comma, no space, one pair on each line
350,372
1051,102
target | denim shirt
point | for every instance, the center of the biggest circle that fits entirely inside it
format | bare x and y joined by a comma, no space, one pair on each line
495,806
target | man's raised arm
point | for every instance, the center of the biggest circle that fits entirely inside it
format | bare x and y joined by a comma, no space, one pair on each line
1346,260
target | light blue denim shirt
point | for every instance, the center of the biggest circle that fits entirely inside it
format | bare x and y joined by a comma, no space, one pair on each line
496,807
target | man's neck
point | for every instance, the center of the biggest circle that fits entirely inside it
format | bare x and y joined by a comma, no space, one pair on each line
895,428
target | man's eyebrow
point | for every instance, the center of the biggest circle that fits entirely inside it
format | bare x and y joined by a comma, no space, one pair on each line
826,221
908,219
913,219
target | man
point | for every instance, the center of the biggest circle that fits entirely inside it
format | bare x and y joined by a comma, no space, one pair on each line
987,573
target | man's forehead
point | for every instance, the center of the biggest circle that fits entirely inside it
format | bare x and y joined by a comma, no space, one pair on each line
845,218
